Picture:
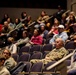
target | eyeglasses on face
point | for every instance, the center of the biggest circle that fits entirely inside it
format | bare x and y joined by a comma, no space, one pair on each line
5,53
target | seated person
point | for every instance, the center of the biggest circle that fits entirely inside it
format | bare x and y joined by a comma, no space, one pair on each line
24,39
3,69
10,63
44,32
11,45
43,17
56,54
6,28
36,39
54,28
61,34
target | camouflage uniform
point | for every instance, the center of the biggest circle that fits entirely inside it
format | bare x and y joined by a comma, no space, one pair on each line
54,55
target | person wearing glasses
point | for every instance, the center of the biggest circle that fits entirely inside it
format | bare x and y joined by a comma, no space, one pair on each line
3,69
10,63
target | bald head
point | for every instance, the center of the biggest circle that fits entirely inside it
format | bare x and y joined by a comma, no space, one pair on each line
59,43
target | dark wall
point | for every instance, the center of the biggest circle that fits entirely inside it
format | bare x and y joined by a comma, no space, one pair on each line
53,4
16,12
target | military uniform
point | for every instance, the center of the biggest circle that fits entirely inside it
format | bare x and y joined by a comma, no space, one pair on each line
4,71
10,63
54,55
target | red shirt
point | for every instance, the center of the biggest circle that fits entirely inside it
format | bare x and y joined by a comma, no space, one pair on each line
37,40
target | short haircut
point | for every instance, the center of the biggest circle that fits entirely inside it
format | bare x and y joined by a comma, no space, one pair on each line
2,57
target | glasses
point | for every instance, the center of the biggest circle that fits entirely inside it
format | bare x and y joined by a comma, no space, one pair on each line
5,53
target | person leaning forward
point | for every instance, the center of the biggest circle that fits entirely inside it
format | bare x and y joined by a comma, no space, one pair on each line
57,53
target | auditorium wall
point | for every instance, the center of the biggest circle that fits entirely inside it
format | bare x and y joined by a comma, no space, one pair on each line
16,12
71,5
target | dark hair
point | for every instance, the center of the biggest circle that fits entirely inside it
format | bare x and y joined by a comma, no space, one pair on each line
18,21
22,15
2,57
37,31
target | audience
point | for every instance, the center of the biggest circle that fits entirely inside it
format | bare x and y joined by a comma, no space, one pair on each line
62,31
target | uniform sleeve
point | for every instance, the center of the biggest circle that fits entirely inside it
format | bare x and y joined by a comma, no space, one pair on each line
57,55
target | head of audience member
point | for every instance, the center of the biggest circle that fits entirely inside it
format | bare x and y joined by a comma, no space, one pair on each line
42,28
59,8
72,13
17,21
29,18
63,16
2,60
24,34
10,40
59,43
56,22
23,15
9,20
72,19
5,24
60,28
43,13
7,53
36,32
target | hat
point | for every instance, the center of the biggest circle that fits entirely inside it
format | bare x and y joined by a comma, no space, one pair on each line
61,26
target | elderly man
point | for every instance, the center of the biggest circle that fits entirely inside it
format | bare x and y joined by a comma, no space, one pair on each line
10,63
3,69
61,34
56,54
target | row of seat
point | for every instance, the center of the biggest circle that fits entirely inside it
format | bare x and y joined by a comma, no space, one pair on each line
40,68
42,48
28,56
35,48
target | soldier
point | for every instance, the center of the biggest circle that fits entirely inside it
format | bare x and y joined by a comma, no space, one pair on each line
56,54
3,69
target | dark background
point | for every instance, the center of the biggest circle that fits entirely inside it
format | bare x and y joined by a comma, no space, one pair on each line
52,4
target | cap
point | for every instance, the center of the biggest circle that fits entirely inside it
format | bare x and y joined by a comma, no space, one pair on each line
61,26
